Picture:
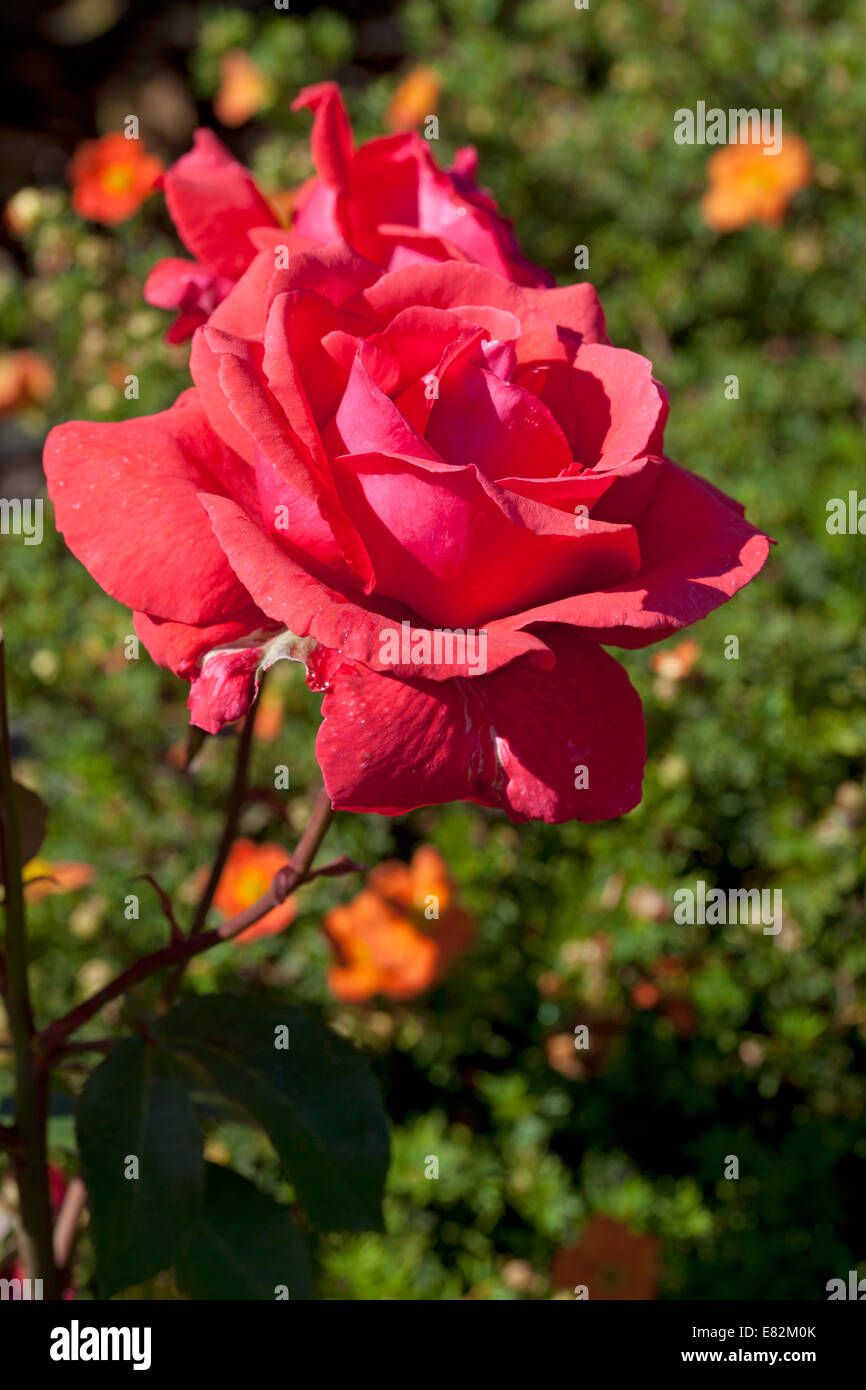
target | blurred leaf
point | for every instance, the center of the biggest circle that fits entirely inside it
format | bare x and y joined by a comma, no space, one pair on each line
136,1104
32,820
316,1099
195,741
244,1245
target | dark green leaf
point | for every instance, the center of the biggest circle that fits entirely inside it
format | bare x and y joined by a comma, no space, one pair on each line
32,818
317,1100
194,743
136,1104
244,1245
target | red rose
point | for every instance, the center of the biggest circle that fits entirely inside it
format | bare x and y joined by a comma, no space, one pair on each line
389,200
369,459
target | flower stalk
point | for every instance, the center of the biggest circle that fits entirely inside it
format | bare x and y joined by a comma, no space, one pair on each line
28,1141
44,1249
51,1040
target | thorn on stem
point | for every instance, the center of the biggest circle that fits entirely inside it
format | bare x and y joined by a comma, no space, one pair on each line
166,905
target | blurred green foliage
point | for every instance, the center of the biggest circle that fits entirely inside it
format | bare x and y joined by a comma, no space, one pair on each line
746,1044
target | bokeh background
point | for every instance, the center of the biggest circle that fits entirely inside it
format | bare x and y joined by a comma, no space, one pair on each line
705,1041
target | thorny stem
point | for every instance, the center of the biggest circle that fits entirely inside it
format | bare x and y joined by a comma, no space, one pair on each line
50,1041
28,1141
234,802
45,1251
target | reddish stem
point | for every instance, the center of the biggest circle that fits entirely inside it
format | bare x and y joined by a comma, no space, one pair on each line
48,1043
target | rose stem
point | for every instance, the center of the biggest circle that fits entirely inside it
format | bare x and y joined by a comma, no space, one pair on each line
233,805
29,1140
49,1042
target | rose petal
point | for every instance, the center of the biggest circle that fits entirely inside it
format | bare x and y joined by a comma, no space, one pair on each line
500,428
577,307
620,408
358,627
214,203
331,140
510,739
125,499
188,286
225,689
697,551
462,551
180,646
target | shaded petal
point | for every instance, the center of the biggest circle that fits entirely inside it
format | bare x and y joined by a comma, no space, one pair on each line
620,409
224,690
697,550
286,475
462,551
194,289
331,140
125,499
511,739
243,313
444,286
290,595
180,646
333,274
463,173
577,307
618,495
453,207
500,428
367,421
316,213
305,370
382,190
336,272
404,245
416,338
214,203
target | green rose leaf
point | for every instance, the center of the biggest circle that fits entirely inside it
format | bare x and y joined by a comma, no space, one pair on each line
312,1093
141,1157
244,1245
32,820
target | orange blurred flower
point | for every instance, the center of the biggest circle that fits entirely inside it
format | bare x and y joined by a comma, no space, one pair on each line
269,714
676,663
247,876
400,933
244,89
25,379
282,203
42,878
414,99
111,177
747,185
614,1262
645,995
